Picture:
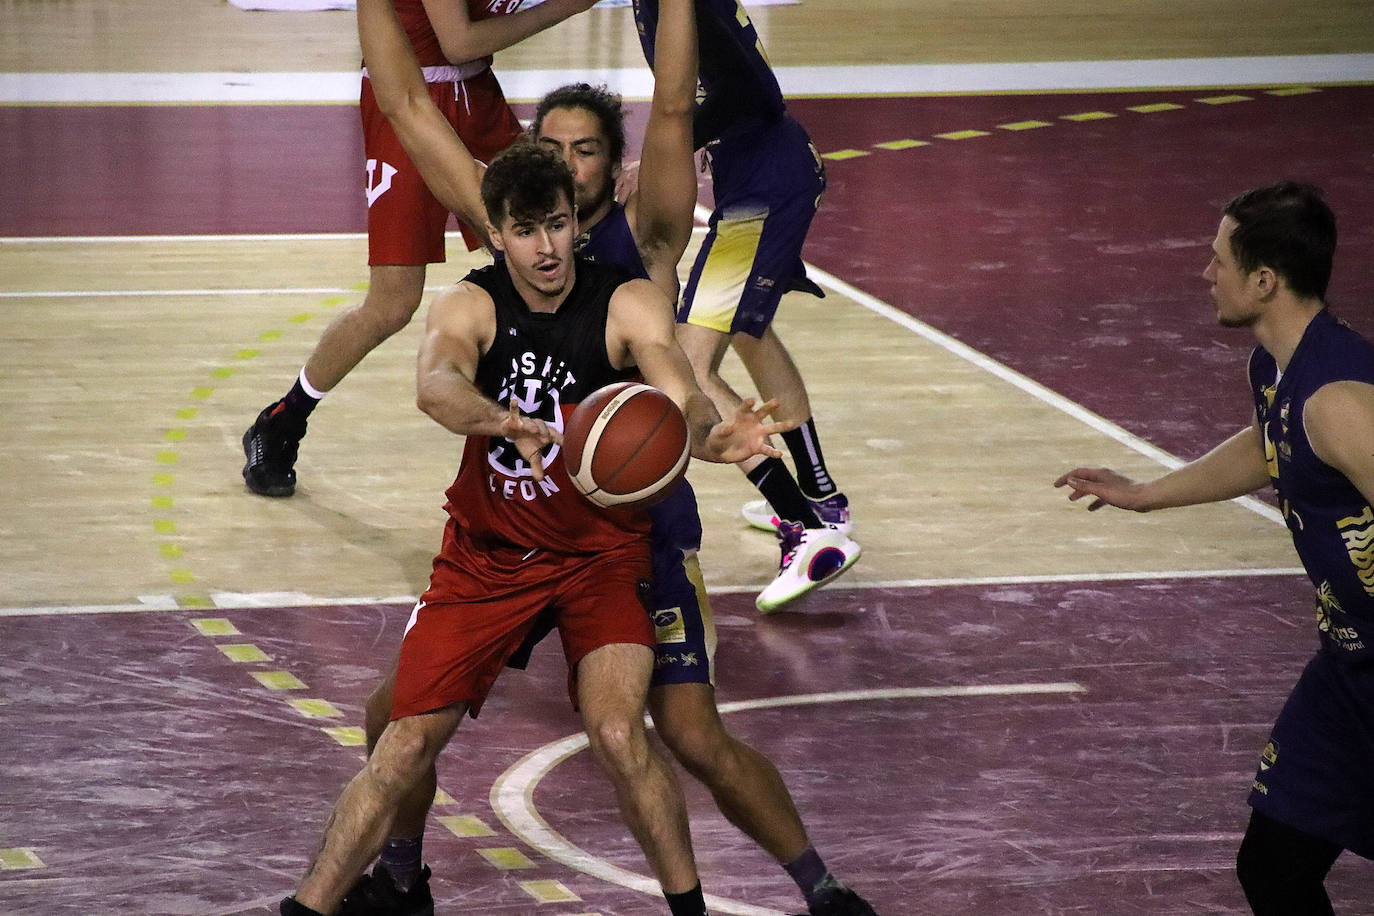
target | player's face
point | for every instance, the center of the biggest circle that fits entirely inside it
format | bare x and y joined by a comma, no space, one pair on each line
576,135
1233,290
539,254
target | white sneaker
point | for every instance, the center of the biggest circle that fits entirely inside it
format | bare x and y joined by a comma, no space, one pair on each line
833,510
811,557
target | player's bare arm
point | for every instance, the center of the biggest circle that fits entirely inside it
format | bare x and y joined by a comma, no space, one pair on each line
639,332
429,140
660,209
463,39
458,330
1339,421
1234,468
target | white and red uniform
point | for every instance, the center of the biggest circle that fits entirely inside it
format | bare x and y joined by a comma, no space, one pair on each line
405,224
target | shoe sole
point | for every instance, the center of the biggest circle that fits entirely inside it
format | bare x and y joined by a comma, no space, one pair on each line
783,605
273,492
847,528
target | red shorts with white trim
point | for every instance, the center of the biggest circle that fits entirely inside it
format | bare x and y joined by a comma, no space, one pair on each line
405,224
483,601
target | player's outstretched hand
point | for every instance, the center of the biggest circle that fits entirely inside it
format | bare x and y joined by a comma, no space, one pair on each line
746,434
1107,487
530,435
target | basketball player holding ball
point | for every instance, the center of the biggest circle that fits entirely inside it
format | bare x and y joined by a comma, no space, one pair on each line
506,352
646,236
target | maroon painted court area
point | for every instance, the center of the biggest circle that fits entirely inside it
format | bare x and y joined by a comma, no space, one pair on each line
153,774
202,791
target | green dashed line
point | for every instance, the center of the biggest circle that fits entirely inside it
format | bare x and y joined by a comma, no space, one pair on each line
1292,90
301,317
202,392
223,372
962,134
169,551
174,435
1088,116
247,354
164,526
1224,99
845,154
187,413
1154,107
163,480
1023,125
167,457
162,502
334,301
270,335
181,576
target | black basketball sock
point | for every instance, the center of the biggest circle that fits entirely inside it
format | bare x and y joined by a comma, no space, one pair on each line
687,903
402,857
805,448
808,871
298,402
776,484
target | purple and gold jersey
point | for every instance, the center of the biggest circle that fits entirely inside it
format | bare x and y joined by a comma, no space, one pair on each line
1331,521
736,80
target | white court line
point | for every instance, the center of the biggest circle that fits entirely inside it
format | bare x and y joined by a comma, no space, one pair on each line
1012,377
512,794
275,600
340,87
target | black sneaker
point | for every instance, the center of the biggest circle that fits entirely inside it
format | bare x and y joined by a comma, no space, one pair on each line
271,445
377,895
838,900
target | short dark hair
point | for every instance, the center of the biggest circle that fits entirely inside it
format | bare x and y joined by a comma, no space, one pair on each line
1288,228
600,101
524,181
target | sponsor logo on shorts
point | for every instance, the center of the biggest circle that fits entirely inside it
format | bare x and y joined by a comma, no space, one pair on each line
669,626
1269,756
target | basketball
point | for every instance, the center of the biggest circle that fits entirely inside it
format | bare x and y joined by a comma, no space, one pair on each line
625,446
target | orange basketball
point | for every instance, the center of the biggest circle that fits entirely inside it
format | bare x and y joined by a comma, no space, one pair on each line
625,446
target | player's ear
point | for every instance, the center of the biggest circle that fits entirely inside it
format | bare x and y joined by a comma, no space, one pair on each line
495,235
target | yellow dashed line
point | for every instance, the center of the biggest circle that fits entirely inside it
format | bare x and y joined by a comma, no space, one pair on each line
244,652
164,526
215,626
202,392
270,335
506,858
161,502
222,372
163,480
548,891
20,857
845,154
465,825
333,301
169,551
247,354
1154,107
443,798
347,735
187,413
197,602
316,709
278,680
1088,116
902,144
166,458
301,317
1292,90
1224,99
962,134
1023,125
174,435
181,576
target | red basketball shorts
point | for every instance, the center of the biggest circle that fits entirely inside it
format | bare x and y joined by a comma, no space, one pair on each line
405,224
483,601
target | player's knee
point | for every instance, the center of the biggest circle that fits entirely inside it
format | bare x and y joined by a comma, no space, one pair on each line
703,750
619,745
388,315
401,758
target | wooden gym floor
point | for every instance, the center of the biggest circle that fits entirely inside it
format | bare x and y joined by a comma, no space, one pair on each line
1008,706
